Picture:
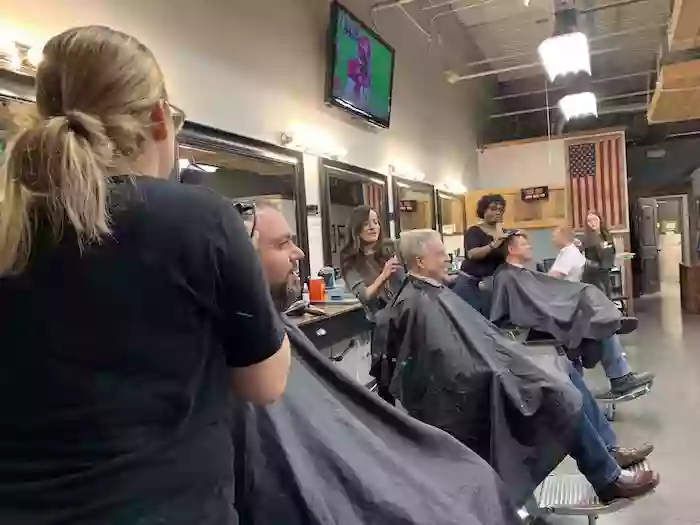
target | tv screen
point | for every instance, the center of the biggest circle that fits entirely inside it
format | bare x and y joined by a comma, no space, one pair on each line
361,68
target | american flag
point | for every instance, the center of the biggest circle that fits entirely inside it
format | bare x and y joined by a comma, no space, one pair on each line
373,196
596,181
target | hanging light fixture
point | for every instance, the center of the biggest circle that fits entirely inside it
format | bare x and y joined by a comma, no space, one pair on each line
564,54
578,105
9,54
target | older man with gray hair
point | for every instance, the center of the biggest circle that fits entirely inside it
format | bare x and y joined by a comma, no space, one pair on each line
424,255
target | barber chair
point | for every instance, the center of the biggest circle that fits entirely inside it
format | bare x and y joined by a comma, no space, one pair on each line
545,265
533,337
570,495
616,290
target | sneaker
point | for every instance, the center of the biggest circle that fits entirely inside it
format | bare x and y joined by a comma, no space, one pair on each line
626,384
626,457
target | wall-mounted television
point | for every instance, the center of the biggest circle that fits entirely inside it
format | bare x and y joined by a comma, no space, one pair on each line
360,73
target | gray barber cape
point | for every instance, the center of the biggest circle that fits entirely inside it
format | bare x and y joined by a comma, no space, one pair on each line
331,452
571,312
512,404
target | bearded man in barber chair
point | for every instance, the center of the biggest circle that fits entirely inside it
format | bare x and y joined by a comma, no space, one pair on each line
329,451
521,408
542,291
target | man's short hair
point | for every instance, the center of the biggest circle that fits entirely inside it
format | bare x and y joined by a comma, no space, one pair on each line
412,243
567,232
511,239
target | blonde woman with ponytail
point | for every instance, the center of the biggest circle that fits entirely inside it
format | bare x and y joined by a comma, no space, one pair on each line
131,307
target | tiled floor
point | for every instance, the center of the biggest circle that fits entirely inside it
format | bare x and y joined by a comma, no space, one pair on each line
667,343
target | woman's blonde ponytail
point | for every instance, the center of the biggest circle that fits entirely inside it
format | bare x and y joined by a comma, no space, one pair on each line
96,88
57,168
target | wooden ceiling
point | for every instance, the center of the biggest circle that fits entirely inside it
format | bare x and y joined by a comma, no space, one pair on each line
684,28
677,94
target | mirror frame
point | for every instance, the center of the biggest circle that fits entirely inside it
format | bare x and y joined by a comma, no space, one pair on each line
458,196
416,186
325,167
206,137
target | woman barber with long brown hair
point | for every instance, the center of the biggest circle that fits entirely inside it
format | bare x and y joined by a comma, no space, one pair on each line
371,271
369,267
131,307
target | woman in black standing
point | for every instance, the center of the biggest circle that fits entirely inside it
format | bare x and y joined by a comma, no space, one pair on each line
599,250
482,247
131,306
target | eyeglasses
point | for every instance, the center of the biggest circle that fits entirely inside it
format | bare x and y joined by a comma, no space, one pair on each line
247,212
178,117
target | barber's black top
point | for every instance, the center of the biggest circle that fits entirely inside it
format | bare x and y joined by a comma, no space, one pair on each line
115,381
475,237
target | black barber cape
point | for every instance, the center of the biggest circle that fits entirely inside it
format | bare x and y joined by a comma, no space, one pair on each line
331,452
513,405
571,312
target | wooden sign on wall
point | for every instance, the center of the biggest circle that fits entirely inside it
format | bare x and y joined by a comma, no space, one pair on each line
536,193
408,206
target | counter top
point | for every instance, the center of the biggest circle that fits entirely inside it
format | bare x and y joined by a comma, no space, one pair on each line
331,310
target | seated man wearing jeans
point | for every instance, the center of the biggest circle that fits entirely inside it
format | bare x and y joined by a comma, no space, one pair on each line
522,409
569,265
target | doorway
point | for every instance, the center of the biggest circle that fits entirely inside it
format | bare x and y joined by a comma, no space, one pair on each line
664,241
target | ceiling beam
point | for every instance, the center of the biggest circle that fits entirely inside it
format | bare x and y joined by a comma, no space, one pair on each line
545,108
647,72
453,77
654,27
621,3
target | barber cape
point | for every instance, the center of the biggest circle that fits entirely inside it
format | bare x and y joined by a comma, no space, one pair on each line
330,452
568,311
513,405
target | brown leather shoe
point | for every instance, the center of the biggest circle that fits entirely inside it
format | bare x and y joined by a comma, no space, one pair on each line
626,457
630,486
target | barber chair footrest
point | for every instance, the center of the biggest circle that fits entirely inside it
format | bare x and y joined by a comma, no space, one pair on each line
610,403
572,495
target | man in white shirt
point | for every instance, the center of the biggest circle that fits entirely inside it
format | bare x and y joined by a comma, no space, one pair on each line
570,261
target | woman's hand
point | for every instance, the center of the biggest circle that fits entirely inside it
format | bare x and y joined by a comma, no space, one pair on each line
497,243
390,267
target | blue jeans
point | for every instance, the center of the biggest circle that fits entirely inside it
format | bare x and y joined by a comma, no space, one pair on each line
594,440
468,289
613,361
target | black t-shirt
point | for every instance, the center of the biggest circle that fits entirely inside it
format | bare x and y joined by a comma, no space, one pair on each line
115,380
475,237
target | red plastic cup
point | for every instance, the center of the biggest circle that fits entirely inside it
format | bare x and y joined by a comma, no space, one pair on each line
317,289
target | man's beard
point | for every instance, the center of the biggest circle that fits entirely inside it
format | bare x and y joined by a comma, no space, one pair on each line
283,295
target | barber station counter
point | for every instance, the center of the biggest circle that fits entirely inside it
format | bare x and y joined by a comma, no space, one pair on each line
341,321
343,334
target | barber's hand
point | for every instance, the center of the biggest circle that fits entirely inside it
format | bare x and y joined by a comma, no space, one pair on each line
390,267
578,243
497,243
